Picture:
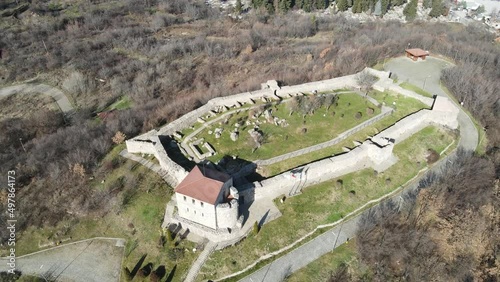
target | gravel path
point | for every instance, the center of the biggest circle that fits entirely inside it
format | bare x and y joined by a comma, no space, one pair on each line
61,99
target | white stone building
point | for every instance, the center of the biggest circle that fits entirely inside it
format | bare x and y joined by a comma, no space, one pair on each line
207,197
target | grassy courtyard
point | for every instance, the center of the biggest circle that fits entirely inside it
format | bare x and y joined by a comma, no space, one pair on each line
136,214
327,202
404,106
303,130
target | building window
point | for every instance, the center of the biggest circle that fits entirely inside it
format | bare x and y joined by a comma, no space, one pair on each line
194,212
184,198
201,204
202,214
192,201
187,209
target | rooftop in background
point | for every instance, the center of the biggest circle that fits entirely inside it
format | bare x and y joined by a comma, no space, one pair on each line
417,52
203,184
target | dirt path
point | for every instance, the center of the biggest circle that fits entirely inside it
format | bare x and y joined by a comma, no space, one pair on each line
61,99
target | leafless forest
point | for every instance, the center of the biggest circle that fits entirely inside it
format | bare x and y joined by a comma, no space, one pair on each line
172,56
445,231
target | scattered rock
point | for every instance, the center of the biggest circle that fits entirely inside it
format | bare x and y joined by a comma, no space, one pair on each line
234,136
200,120
309,57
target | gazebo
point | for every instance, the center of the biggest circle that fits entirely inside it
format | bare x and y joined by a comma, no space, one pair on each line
416,53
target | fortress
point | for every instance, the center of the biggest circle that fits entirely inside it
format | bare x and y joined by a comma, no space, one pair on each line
208,203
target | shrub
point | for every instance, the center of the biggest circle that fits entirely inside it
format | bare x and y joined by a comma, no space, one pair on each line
432,156
255,228
370,111
358,115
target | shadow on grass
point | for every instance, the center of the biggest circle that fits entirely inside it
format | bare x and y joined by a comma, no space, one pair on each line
138,265
170,276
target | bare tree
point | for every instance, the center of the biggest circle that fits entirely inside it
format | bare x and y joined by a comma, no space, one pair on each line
365,80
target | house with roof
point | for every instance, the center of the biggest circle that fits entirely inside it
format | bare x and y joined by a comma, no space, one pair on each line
416,53
207,197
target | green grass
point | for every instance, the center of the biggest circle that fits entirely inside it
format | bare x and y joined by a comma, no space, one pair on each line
145,210
404,106
321,126
121,104
326,202
416,89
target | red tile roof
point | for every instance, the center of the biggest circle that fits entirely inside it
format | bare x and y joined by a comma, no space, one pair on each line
417,52
203,184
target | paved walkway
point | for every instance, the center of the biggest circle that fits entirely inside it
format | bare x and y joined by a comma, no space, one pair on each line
61,99
196,266
92,260
305,254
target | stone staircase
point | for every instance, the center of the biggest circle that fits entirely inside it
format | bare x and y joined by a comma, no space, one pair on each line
196,267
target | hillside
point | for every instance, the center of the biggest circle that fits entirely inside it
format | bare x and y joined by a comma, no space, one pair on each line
159,59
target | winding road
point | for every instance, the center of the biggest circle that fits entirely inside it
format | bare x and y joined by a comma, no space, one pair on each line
60,98
418,73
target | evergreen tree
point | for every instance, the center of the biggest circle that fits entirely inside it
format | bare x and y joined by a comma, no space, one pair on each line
299,4
238,7
384,6
427,3
397,2
307,6
342,5
357,7
284,6
269,7
255,228
365,5
321,4
410,11
437,9
170,237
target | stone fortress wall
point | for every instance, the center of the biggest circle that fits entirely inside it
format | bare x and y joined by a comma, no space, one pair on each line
375,153
142,143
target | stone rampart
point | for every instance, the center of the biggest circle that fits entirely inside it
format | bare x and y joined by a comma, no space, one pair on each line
227,214
171,167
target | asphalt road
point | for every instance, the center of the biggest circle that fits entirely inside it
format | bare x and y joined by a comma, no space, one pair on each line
417,73
426,74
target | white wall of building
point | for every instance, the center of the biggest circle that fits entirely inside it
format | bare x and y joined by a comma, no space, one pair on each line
196,210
